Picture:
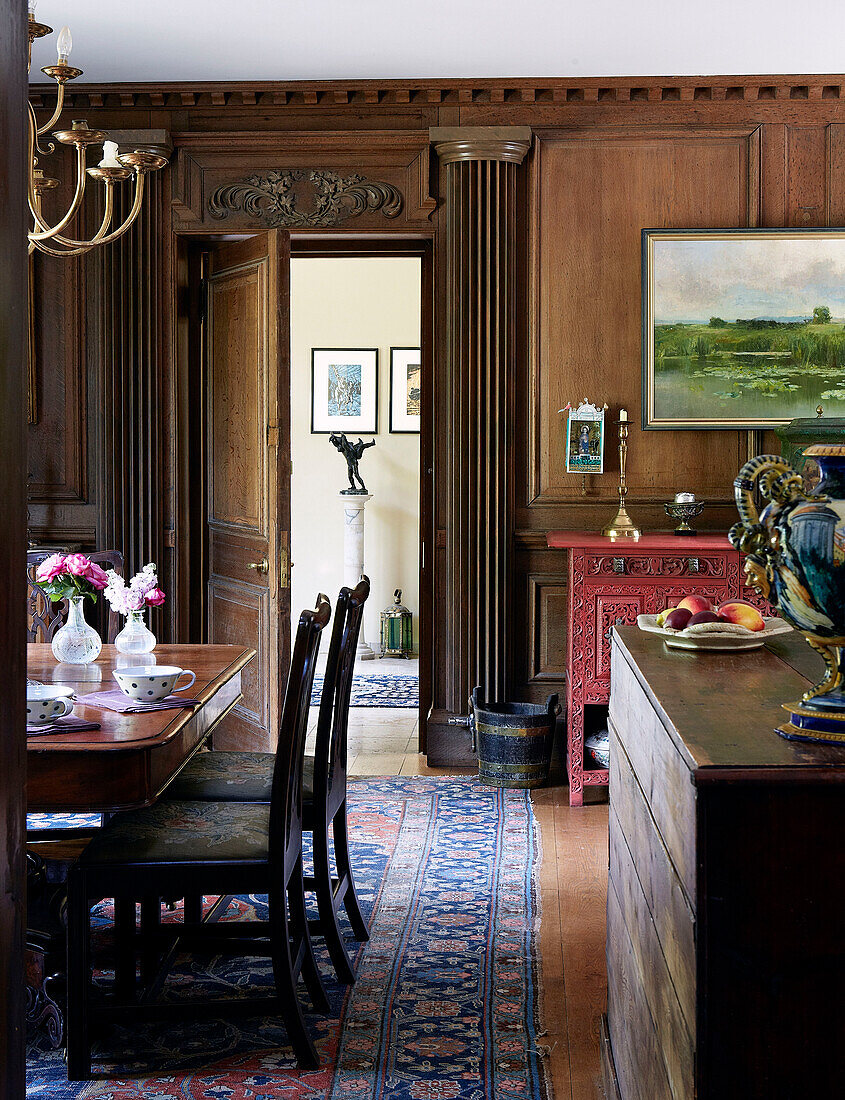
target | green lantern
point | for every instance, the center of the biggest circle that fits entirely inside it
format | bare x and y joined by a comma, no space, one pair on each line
397,629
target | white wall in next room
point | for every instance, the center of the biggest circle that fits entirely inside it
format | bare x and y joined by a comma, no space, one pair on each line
349,302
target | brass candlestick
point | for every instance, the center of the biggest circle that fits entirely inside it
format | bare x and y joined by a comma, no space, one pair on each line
622,526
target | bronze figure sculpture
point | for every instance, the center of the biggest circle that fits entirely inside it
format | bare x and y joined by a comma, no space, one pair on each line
352,453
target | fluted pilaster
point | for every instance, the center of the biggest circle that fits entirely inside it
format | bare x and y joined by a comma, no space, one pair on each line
480,168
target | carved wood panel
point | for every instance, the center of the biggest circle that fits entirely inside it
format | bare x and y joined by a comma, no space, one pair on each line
239,615
58,440
712,565
611,609
237,398
593,194
303,180
547,628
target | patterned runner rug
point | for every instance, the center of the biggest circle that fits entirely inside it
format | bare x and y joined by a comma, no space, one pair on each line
445,1004
377,691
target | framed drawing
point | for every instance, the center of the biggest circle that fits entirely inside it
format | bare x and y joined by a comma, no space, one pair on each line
585,439
742,328
344,390
404,390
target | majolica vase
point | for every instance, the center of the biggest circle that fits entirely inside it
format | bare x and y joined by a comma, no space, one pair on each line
795,556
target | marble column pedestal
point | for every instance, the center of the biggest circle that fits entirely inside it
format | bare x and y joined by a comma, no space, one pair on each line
353,554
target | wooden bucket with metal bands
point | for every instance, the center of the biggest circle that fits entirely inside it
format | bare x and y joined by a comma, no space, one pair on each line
513,741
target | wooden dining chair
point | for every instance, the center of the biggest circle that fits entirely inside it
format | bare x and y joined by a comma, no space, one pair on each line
247,777
204,848
43,617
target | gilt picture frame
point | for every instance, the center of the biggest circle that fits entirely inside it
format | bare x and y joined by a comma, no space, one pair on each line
344,390
742,328
405,391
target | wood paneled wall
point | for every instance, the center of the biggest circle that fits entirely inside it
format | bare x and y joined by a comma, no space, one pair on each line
13,341
98,462
608,157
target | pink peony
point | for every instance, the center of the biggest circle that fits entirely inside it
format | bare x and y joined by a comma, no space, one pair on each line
77,564
97,576
51,568
155,597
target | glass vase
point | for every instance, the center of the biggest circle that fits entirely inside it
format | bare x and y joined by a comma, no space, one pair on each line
76,643
135,636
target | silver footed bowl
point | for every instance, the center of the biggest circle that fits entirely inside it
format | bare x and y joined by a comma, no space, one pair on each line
683,511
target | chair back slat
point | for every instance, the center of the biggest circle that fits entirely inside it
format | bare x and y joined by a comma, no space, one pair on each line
286,795
43,618
333,721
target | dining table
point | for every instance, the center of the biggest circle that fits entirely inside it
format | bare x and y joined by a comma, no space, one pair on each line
132,757
124,764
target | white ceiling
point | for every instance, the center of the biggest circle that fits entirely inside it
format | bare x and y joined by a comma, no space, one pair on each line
200,40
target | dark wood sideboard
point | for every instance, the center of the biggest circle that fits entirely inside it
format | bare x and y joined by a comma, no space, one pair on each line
610,583
726,895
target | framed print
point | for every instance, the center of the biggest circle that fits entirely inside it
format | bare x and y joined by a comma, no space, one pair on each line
585,440
344,390
742,328
404,390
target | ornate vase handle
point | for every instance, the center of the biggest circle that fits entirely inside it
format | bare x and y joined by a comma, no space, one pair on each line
777,481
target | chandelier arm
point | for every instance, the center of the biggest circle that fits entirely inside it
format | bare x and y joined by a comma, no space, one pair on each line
32,195
47,250
47,232
35,147
98,238
60,102
115,233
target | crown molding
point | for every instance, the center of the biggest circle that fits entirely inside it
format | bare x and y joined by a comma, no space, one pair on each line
339,94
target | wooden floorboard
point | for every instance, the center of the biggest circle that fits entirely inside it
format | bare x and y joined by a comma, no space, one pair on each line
573,897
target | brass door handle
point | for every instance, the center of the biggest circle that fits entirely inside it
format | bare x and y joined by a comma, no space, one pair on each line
259,566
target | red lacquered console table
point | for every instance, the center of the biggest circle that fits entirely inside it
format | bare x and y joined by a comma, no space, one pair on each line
610,583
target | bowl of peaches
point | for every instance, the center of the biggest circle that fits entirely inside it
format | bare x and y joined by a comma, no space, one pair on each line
697,623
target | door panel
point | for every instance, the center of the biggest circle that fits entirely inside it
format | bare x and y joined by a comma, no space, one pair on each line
248,475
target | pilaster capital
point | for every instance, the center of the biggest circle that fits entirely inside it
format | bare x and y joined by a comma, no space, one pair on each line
503,143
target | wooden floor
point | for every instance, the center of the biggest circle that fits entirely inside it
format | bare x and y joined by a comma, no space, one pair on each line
573,887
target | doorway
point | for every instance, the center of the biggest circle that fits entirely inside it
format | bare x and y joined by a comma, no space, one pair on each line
394,560
355,327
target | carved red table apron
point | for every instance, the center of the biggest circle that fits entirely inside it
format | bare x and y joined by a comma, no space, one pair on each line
610,583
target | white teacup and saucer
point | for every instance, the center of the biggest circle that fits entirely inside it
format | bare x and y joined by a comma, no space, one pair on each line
151,683
47,702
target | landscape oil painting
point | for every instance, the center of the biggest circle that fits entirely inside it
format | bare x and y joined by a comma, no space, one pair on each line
742,328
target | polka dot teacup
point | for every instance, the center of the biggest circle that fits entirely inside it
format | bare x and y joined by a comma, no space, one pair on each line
151,683
47,702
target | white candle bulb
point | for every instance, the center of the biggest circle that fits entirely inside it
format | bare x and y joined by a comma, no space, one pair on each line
33,4
623,415
64,43
110,155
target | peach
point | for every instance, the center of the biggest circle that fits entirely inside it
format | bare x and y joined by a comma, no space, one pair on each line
743,614
694,604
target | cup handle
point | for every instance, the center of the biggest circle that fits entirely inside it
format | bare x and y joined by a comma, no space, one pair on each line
185,672
68,707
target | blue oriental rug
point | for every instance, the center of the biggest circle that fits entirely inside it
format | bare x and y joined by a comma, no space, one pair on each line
377,691
446,999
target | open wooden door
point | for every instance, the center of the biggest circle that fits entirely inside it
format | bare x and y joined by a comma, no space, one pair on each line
248,473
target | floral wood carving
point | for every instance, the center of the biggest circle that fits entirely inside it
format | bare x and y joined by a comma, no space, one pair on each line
274,198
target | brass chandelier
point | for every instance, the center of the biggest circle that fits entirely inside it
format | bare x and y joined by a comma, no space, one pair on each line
112,169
